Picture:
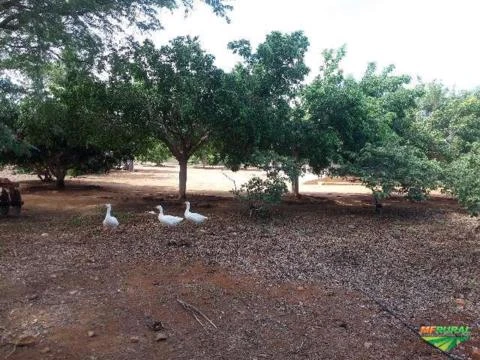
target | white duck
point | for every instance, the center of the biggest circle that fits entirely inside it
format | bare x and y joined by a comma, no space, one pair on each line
196,218
110,221
168,220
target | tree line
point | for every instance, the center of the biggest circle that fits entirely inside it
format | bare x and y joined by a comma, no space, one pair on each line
86,100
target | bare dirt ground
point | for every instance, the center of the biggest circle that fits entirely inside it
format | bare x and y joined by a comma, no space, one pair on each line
323,277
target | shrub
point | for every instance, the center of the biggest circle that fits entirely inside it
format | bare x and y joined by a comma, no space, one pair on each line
261,194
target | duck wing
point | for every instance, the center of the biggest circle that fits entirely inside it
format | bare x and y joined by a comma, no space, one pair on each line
170,219
195,217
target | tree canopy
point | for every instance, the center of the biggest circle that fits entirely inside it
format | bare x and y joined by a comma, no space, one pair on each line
92,102
179,86
33,31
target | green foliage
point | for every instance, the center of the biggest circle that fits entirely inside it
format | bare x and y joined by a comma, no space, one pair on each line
448,127
461,179
177,84
10,144
368,129
258,192
32,31
276,165
66,127
339,116
156,153
447,124
262,89
206,155
176,90
393,167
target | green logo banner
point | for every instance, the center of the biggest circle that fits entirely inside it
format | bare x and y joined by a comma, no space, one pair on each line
446,338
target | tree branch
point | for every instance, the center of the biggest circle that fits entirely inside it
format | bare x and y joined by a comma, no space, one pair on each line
200,142
6,4
4,24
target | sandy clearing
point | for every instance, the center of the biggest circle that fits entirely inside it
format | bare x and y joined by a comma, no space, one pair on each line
200,180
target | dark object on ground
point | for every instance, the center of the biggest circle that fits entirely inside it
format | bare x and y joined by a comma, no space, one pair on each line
10,198
4,202
155,325
378,206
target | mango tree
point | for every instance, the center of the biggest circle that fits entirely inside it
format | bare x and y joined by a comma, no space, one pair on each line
179,87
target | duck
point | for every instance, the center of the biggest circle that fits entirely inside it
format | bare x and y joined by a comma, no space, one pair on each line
168,220
194,217
110,221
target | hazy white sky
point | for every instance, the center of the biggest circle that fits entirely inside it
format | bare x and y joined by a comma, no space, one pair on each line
434,39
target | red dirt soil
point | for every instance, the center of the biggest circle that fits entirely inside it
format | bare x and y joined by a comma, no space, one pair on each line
321,278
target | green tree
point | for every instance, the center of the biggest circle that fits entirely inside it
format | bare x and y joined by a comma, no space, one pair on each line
395,167
33,31
451,121
368,127
336,115
179,88
397,161
10,144
265,86
462,180
65,128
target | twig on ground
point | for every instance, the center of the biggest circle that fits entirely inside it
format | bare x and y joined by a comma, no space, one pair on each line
196,313
11,352
201,324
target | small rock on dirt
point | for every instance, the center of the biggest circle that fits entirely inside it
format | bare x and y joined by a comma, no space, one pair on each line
45,350
161,336
26,340
460,303
91,333
342,324
134,339
155,325
33,297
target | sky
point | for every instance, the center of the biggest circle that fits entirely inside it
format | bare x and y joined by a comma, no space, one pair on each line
436,40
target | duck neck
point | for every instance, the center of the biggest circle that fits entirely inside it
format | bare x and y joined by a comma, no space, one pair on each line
109,210
160,209
187,210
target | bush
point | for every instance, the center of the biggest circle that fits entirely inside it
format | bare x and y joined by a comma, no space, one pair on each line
461,179
261,194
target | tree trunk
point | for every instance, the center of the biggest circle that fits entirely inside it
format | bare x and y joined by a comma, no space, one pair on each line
60,178
296,186
130,165
296,179
378,205
182,194
60,182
